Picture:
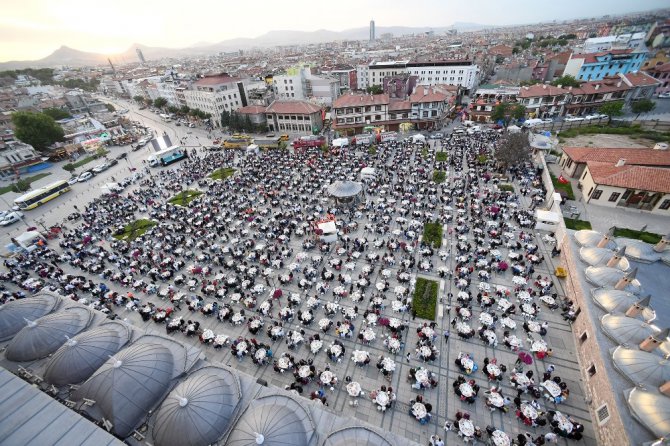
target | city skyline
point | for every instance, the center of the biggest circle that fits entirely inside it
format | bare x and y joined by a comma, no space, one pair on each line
34,29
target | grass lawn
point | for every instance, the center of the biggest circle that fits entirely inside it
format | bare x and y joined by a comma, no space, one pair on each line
432,234
135,229
634,131
577,225
648,237
560,187
425,298
222,174
439,176
506,187
372,150
184,197
28,180
441,156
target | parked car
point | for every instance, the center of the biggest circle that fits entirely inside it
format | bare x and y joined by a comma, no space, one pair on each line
112,162
574,119
10,218
85,177
100,168
664,95
73,180
121,156
437,135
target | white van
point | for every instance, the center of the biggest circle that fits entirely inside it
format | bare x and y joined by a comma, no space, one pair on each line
528,123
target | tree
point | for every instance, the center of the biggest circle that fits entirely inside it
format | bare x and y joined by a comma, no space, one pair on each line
37,129
513,149
57,113
110,108
506,111
225,118
138,98
642,106
160,102
185,109
566,81
375,89
612,109
172,109
516,50
248,125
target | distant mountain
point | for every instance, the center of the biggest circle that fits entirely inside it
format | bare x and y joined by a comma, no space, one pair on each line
72,57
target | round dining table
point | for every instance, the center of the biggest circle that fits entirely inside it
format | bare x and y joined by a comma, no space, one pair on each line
354,389
500,438
466,427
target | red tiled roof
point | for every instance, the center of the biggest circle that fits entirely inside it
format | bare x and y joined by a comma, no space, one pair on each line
664,68
216,80
293,107
251,109
640,79
653,179
537,90
400,105
358,100
604,86
424,93
593,57
643,157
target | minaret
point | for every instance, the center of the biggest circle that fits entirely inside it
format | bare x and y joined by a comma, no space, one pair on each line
618,255
606,238
638,306
654,340
662,244
626,279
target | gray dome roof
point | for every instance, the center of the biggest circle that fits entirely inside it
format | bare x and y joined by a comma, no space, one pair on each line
42,337
344,189
651,409
82,355
278,418
612,300
355,436
600,256
603,276
199,410
13,314
587,237
129,384
637,249
626,330
642,367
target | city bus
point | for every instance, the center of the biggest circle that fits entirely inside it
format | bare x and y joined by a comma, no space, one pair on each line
40,196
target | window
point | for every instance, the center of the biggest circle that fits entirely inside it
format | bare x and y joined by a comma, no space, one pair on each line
614,197
378,107
591,370
583,337
378,117
665,205
603,414
596,194
584,176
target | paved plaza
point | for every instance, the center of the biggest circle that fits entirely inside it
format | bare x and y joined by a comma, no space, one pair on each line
403,192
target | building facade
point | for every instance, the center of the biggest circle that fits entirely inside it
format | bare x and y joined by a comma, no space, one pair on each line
215,94
662,74
463,73
294,116
596,66
15,155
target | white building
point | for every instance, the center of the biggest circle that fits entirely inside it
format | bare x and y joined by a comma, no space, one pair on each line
14,155
289,87
362,73
305,85
214,94
463,73
607,43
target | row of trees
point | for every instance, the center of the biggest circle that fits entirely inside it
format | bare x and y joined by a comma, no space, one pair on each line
162,103
240,123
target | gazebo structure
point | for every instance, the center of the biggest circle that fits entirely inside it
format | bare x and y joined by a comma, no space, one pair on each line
345,193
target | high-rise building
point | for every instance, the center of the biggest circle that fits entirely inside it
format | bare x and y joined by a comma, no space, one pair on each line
372,30
140,55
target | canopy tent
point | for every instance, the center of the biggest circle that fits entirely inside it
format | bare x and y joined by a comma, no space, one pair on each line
368,173
542,141
514,129
546,220
651,409
15,315
199,410
340,142
641,367
344,189
82,355
44,336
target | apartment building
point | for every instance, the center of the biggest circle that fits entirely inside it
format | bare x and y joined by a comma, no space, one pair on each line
294,116
214,94
544,101
463,73
486,97
596,66
356,111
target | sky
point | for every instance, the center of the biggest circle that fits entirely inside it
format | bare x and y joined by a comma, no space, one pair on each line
32,29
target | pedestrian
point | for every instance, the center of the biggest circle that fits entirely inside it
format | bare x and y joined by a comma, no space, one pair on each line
551,368
446,335
408,356
413,314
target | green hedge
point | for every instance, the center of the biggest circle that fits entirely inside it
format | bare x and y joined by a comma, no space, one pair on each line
432,234
72,166
424,302
560,187
184,197
506,187
23,184
634,130
135,229
441,156
439,176
648,237
577,225
222,174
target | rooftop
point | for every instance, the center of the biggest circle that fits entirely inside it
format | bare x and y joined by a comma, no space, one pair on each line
352,100
630,176
640,157
252,109
541,90
293,107
216,80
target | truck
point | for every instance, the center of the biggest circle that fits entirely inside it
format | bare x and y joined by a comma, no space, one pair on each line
309,141
167,156
267,143
237,142
165,117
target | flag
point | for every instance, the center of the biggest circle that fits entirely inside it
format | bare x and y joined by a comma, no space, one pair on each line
562,180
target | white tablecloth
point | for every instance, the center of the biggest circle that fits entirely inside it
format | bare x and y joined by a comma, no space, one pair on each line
466,427
551,387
